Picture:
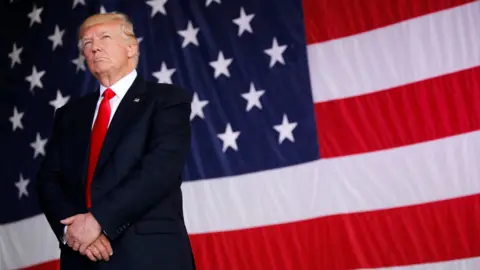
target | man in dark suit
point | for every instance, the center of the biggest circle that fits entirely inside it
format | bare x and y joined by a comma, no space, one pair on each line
109,184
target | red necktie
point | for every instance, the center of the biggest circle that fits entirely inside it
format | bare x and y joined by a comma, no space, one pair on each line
98,135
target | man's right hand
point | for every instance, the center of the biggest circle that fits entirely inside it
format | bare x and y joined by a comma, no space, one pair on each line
100,249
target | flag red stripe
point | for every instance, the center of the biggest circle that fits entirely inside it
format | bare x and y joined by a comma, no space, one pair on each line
423,233
413,113
50,265
327,19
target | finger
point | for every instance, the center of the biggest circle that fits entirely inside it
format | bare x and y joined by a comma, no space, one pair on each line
103,251
95,252
82,249
68,221
107,245
76,246
90,255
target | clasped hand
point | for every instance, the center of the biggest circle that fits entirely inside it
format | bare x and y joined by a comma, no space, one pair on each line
84,235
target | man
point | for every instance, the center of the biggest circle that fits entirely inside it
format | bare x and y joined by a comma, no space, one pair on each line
109,184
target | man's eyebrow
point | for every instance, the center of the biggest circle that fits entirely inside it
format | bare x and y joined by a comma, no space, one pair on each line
99,34
86,39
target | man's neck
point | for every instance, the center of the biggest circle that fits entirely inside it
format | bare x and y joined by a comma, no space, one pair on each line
109,79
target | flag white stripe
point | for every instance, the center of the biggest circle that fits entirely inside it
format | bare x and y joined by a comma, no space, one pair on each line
409,51
409,175
463,264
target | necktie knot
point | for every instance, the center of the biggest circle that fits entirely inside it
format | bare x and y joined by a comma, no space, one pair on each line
108,94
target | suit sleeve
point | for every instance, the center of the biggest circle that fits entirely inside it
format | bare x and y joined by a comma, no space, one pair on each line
52,200
158,172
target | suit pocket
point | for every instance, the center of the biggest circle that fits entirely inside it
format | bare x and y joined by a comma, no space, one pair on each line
157,226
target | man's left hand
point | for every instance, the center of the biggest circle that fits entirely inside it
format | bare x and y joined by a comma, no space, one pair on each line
100,249
82,230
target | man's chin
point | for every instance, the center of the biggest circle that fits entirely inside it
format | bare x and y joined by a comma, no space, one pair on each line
100,69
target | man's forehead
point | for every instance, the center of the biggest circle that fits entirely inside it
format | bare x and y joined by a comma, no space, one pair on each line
99,29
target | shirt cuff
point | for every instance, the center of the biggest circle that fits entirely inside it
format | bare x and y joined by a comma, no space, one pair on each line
64,232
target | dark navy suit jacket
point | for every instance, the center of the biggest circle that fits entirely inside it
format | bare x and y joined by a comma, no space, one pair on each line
136,195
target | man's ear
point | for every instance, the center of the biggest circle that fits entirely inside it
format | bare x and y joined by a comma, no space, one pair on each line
131,50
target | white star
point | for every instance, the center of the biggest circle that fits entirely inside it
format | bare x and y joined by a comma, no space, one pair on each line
56,38
35,78
221,65
39,146
197,107
276,53
285,130
243,22
164,75
35,15
16,119
15,55
211,1
189,35
22,186
79,62
59,101
229,138
157,6
253,97
76,2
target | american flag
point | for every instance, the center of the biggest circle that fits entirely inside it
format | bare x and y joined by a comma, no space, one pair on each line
327,134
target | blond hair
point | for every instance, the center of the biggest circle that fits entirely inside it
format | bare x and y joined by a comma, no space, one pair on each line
126,28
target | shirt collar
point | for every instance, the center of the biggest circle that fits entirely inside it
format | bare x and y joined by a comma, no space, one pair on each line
121,87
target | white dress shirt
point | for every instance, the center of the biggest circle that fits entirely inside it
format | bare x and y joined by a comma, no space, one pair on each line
120,88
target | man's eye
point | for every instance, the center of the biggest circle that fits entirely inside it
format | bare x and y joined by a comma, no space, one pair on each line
105,36
86,44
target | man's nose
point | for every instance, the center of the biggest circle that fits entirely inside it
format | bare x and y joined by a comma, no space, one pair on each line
95,46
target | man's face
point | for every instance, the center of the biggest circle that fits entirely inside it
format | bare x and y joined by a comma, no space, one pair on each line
104,48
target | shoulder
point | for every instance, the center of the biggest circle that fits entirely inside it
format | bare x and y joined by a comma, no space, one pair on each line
170,101
167,94
76,104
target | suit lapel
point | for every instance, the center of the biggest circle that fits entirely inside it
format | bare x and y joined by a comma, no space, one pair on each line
130,104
